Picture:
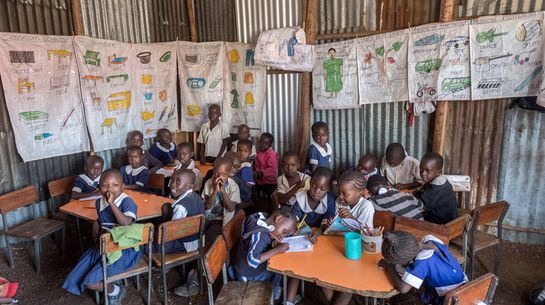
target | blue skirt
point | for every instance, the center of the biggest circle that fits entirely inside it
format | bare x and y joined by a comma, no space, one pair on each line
88,270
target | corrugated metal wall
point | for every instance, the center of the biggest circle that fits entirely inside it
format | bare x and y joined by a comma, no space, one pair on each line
216,20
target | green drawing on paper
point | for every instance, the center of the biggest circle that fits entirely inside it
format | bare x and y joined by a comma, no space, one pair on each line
455,84
165,57
33,116
92,58
429,40
234,103
429,65
332,68
489,35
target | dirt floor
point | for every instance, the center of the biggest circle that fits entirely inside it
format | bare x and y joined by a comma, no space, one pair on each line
522,267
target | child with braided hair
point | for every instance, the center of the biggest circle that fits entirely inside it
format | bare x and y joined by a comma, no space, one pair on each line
411,264
351,202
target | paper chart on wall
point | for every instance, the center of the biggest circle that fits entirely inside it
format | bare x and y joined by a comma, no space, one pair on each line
285,49
245,90
154,86
202,77
506,55
335,76
40,81
105,78
382,67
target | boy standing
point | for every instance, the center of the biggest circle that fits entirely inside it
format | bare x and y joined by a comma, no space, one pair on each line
213,138
266,166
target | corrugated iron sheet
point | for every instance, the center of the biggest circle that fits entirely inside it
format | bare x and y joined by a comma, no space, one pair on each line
216,20
168,20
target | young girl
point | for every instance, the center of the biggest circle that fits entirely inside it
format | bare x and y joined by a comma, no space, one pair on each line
114,208
135,175
86,184
411,264
319,152
213,138
351,202
367,165
243,133
292,180
266,166
164,150
136,138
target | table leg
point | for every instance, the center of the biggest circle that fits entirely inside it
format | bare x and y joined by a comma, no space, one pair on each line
79,235
285,289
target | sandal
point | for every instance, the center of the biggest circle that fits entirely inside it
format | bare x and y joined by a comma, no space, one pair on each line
189,289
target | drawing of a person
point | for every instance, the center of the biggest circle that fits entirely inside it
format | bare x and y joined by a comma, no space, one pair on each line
333,73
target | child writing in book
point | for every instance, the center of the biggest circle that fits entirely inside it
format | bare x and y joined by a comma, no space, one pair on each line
136,138
213,138
266,166
319,152
243,133
411,264
400,169
292,180
367,165
135,175
164,149
115,208
86,184
260,240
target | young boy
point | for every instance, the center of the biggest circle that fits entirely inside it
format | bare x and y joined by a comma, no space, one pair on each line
136,138
436,194
86,184
292,180
384,199
243,133
319,152
135,175
243,175
184,160
213,138
266,165
164,149
367,165
399,169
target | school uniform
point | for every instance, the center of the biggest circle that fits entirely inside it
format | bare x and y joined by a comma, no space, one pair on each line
212,138
83,184
283,185
217,211
191,166
152,163
267,163
408,171
252,154
245,181
439,201
401,204
88,270
138,176
372,173
317,216
363,211
437,270
165,155
317,155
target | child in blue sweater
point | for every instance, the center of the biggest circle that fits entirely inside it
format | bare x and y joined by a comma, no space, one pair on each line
135,175
164,149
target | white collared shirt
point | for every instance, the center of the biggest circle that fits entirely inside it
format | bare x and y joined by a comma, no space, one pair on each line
212,139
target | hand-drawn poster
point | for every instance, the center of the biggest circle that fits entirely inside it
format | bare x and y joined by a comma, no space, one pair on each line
506,55
202,76
284,49
104,70
245,89
382,67
335,76
439,62
154,86
40,81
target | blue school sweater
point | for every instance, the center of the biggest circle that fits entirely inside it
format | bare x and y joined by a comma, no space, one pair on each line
84,184
324,210
166,156
255,239
138,176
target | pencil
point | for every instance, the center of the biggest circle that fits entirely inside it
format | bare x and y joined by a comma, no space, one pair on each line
302,222
275,238
368,231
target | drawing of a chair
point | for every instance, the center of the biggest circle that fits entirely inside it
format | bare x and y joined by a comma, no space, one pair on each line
92,58
108,123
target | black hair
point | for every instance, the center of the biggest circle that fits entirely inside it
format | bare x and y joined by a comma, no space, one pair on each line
319,125
395,148
163,130
322,171
111,171
268,136
289,154
331,49
215,106
435,157
356,178
185,145
368,157
94,158
399,247
233,156
185,172
135,148
133,133
286,211
243,126
376,181
245,142
222,161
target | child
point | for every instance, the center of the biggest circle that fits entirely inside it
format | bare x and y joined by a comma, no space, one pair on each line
114,208
259,242
86,184
243,175
319,152
184,160
164,150
266,165
436,194
367,165
136,138
351,202
384,199
399,169
243,133
213,138
135,175
313,208
411,264
292,180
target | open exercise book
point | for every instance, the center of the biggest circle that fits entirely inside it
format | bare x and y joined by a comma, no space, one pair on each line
341,225
300,243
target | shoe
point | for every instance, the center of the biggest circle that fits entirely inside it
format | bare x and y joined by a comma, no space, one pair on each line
189,289
116,299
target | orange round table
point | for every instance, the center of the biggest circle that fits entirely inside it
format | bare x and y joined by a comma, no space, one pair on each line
326,266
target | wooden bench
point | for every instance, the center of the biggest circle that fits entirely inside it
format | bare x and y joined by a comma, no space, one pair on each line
384,219
479,290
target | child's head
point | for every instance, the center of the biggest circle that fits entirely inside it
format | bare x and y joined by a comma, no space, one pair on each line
320,183
290,164
111,182
284,222
235,159
93,166
320,133
395,154
265,141
135,138
243,132
351,186
431,166
367,164
399,247
376,182
214,113
181,181
164,135
184,152
222,168
244,149
134,156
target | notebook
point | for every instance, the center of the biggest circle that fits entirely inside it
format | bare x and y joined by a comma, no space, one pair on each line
300,243
341,225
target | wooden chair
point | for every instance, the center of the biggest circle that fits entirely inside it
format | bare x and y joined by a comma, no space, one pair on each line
458,231
173,230
420,228
35,229
107,245
231,231
234,292
479,290
156,183
461,185
384,219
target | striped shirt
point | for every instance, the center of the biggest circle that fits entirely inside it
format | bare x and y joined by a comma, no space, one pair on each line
401,204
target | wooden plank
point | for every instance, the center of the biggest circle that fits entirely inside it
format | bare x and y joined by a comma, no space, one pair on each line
111,246
473,292
191,20
420,228
347,35
384,219
215,258
232,293
490,212
179,228
18,199
77,19
457,226
258,293
459,183
61,186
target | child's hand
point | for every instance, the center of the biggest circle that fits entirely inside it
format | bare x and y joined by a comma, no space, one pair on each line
282,247
300,184
329,221
314,236
109,197
383,264
344,213
219,185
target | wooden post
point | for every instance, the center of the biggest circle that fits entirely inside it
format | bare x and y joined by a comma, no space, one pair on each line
306,88
441,113
76,17
194,38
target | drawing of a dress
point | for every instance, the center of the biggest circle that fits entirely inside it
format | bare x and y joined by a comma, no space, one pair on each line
332,67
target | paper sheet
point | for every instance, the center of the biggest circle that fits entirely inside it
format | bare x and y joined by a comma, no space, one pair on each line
299,243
